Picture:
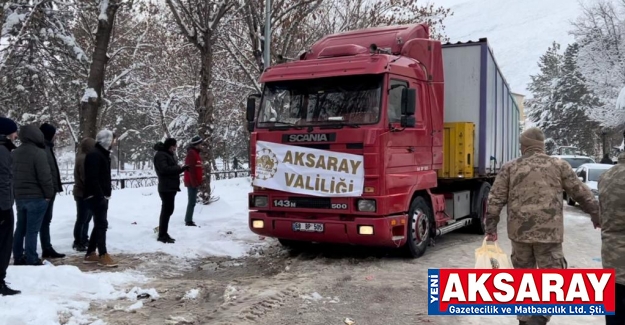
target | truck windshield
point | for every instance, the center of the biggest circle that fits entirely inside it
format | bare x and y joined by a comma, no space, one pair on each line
335,100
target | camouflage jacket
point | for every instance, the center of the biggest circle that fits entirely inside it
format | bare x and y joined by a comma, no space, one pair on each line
612,204
532,187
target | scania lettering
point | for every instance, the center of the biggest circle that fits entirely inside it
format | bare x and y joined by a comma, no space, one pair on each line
308,138
420,129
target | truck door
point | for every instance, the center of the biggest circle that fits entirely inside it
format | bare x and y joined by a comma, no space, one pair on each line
410,147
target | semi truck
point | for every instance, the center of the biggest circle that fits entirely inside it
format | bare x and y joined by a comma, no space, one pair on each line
380,137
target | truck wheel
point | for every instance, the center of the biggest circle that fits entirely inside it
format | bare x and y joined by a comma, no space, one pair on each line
570,202
420,226
480,206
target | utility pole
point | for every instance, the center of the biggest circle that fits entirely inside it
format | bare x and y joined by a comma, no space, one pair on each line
267,49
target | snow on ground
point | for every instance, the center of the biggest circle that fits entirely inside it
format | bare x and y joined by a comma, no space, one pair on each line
134,213
519,32
60,294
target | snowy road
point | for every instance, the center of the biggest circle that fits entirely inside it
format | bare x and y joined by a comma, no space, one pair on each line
205,278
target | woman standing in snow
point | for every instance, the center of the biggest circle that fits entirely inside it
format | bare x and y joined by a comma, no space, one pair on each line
168,172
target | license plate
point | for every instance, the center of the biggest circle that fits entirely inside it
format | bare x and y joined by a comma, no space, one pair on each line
308,227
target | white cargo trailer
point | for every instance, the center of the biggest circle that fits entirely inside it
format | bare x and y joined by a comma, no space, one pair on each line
476,91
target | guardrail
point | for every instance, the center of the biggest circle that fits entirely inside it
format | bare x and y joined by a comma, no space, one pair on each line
147,181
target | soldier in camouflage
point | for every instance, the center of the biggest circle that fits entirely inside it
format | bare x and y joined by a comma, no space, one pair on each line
532,186
612,204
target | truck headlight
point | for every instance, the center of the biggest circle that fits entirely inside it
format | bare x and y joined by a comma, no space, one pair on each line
366,205
260,201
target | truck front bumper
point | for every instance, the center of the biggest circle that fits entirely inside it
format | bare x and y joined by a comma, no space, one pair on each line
387,231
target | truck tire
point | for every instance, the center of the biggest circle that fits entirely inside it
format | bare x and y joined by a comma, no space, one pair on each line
479,207
420,227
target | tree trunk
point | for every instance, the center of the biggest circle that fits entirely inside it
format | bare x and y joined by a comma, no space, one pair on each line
205,108
90,108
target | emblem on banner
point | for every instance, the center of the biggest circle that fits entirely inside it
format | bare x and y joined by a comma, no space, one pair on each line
266,164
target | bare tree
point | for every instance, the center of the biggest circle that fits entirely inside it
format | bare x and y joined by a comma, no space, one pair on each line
92,99
198,21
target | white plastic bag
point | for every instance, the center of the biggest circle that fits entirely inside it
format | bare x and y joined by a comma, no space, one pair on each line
491,257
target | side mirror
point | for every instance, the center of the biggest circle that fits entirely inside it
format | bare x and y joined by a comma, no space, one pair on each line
408,121
250,113
408,101
251,109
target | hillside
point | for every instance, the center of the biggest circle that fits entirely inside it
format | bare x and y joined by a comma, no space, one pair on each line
519,32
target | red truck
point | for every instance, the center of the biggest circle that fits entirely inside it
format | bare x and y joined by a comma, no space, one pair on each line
380,137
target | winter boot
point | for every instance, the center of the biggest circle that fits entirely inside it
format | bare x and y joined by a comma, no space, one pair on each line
51,253
6,291
106,260
38,262
166,240
91,258
172,239
537,320
79,247
19,261
190,224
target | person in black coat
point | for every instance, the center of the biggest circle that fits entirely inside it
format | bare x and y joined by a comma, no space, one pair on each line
168,172
607,160
49,131
97,193
33,189
8,134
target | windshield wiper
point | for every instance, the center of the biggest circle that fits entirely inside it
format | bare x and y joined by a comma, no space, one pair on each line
338,126
285,127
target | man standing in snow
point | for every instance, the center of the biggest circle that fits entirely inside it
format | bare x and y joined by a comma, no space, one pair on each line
49,132
168,172
33,188
611,193
531,186
97,193
235,163
193,177
8,134
83,214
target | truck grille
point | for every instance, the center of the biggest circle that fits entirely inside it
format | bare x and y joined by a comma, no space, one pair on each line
312,203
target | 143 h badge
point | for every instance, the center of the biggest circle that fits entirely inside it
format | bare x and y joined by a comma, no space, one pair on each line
266,164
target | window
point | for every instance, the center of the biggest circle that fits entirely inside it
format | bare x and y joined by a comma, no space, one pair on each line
325,101
576,162
595,174
582,174
394,100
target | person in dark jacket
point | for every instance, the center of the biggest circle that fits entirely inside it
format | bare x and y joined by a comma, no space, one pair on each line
193,177
48,251
97,193
83,214
168,172
607,160
33,188
8,134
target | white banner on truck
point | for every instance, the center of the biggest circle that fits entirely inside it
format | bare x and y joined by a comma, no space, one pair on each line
308,171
